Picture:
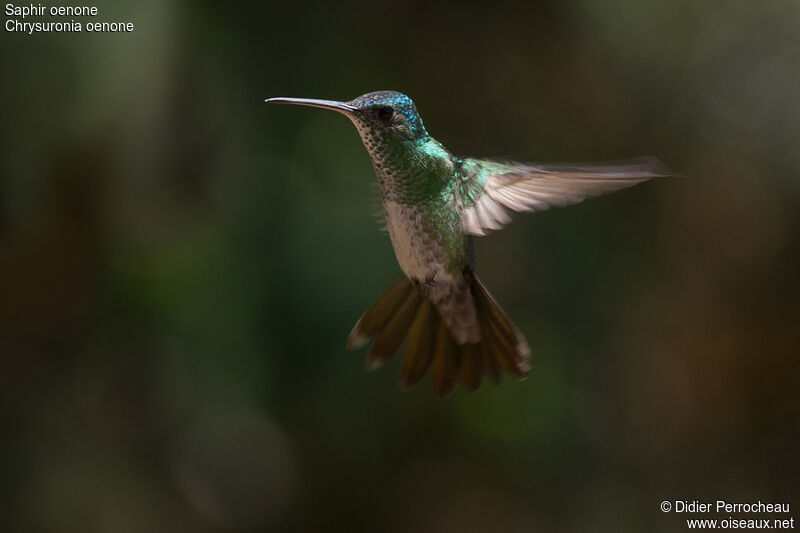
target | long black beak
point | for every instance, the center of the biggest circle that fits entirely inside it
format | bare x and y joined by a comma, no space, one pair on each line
341,107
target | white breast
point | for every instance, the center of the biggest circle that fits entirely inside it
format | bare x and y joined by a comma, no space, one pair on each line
418,252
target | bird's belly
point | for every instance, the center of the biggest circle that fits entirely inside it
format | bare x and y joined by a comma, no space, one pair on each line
422,241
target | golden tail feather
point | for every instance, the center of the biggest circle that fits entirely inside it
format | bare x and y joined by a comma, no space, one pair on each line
403,312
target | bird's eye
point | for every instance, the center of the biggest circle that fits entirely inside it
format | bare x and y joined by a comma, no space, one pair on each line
385,112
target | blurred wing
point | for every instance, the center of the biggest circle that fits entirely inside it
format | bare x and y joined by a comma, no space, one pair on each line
496,187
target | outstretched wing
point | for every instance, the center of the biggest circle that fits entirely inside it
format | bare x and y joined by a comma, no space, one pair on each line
493,187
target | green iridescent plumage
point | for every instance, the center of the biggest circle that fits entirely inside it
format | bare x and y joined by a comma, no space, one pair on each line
433,203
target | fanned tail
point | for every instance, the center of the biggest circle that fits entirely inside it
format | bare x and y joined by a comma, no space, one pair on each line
404,312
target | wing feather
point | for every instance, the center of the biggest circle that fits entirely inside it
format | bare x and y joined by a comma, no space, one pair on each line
496,187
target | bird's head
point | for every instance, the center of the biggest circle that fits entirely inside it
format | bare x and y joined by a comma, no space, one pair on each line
381,117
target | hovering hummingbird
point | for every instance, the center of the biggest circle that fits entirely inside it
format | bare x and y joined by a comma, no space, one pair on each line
433,203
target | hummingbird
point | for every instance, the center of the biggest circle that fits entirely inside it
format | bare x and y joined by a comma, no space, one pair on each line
434,203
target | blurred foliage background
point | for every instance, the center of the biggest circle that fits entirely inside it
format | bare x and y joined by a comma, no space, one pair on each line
180,265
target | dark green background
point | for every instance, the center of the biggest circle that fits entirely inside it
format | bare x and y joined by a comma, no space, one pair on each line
180,265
